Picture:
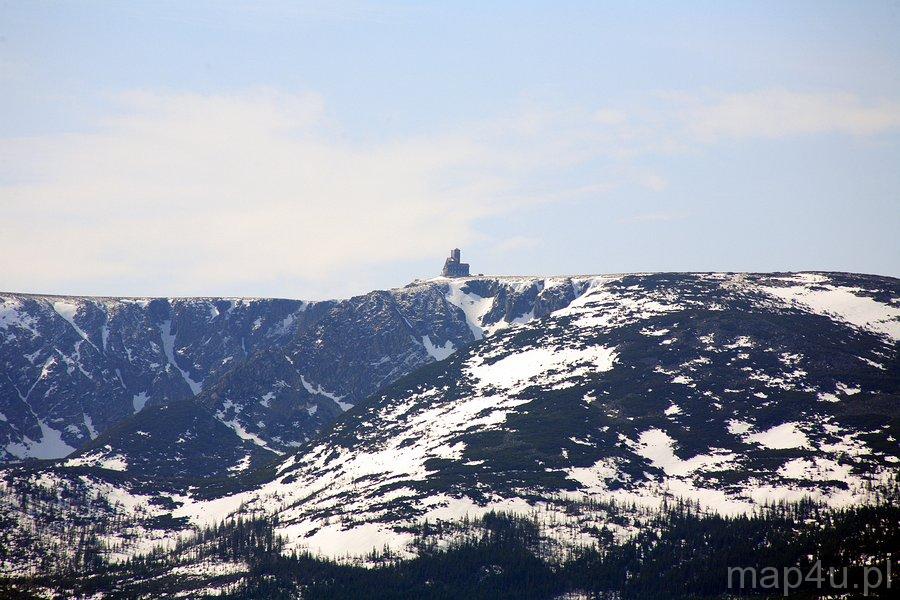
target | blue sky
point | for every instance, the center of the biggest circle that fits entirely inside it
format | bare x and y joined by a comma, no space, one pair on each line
324,149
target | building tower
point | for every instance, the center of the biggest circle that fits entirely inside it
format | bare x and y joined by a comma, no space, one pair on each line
453,267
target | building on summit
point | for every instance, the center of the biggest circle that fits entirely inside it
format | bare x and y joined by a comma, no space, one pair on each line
454,268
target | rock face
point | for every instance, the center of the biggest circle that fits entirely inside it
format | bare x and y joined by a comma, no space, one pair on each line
275,371
545,396
74,367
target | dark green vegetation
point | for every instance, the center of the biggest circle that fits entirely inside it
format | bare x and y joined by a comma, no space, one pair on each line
174,443
681,553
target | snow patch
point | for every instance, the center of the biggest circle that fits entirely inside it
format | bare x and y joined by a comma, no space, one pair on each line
51,445
110,462
473,306
656,446
11,316
242,433
334,540
516,371
242,465
89,424
68,310
840,303
438,352
736,427
138,401
780,437
318,390
168,341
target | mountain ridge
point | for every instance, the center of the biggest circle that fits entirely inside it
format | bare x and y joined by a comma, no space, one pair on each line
724,389
61,354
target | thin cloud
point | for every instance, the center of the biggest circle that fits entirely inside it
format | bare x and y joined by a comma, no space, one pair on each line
200,192
196,194
677,123
653,217
782,113
654,182
516,243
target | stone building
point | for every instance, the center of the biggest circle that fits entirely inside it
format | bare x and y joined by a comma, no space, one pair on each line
454,268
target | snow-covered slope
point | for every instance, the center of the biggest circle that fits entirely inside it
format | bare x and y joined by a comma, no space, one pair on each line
729,389
719,388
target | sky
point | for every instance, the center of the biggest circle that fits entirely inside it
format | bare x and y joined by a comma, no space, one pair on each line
318,150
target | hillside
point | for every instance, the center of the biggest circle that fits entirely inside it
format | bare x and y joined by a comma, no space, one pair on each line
618,393
728,390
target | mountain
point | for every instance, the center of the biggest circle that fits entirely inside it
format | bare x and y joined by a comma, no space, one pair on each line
73,367
727,390
276,372
590,402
